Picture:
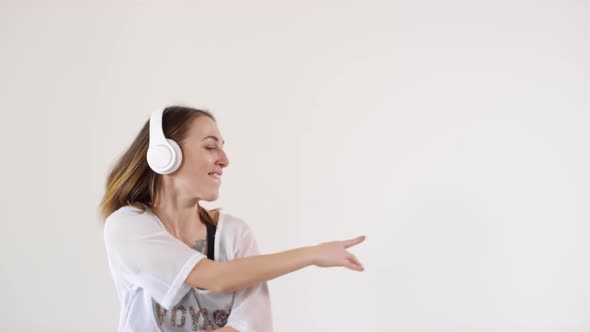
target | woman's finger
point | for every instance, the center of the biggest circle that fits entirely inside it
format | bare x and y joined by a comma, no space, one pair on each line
353,242
351,265
355,260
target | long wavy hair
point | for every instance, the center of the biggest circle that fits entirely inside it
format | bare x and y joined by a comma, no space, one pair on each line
132,182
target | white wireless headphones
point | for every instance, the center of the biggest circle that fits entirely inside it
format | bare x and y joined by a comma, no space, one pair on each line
163,155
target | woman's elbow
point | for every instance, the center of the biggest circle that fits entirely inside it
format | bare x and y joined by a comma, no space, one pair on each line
207,275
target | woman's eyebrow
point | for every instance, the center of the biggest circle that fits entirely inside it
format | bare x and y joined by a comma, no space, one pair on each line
213,137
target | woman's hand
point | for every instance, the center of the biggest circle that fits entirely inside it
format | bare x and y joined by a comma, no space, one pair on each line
334,253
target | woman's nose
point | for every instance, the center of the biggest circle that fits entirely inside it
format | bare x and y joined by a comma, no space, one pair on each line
223,161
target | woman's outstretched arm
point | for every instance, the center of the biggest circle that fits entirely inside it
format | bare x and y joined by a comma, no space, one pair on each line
248,271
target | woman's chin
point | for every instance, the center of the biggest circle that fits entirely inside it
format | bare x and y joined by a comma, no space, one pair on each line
211,197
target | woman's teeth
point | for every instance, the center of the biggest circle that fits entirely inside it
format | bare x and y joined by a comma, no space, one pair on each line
214,175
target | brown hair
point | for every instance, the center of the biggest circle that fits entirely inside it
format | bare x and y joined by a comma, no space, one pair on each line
131,181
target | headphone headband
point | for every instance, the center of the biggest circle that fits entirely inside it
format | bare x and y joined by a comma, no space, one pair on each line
156,128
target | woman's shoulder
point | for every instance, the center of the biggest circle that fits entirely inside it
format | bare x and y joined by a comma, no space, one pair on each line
233,222
128,217
128,212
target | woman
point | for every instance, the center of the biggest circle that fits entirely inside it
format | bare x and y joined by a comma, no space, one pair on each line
177,266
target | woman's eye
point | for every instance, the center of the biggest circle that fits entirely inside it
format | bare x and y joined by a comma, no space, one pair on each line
209,148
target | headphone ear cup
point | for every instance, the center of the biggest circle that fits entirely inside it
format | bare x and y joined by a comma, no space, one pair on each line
176,155
158,156
164,158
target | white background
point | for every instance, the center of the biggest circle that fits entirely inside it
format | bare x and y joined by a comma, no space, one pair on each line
454,134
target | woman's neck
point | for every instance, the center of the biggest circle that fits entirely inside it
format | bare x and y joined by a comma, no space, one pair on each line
179,221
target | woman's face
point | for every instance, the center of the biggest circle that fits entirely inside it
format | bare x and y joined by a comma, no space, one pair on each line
203,161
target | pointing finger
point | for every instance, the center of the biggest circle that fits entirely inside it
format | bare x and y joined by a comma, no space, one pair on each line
353,242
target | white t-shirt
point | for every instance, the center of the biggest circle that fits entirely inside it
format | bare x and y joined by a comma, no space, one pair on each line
149,267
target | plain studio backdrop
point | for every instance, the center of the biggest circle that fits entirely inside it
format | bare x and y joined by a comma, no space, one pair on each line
455,135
